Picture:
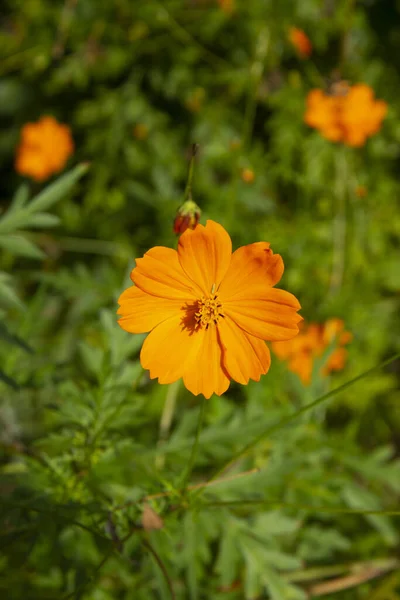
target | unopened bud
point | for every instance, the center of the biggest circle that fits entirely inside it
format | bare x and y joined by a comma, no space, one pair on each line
247,175
187,217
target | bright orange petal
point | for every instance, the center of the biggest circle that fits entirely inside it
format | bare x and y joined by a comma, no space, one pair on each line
204,371
159,273
172,351
244,356
271,317
205,254
251,266
167,348
141,312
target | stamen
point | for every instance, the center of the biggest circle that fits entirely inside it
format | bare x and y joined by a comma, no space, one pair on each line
209,310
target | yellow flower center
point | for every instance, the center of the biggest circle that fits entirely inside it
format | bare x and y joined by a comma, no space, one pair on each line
209,310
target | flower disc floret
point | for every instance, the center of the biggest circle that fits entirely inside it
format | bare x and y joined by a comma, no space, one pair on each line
209,311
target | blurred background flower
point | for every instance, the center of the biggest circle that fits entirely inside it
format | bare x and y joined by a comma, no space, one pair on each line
300,41
314,341
349,114
44,149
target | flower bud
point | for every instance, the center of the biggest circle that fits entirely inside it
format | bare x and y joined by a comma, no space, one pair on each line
187,217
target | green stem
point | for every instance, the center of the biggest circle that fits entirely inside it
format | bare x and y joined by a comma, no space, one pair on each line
188,189
166,420
195,444
163,568
256,73
273,505
340,224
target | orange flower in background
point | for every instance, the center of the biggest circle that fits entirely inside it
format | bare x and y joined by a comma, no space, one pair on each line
208,311
247,175
322,114
311,343
300,41
350,114
44,149
361,191
227,6
361,115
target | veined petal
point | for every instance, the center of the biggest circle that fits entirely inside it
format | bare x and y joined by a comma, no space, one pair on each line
172,350
204,370
273,316
244,356
167,348
251,266
205,254
141,312
159,273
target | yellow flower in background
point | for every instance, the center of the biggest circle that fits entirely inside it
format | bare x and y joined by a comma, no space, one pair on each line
312,341
44,148
348,114
208,311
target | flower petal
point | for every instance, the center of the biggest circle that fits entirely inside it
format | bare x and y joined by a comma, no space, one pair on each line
204,370
159,273
141,312
251,266
173,350
272,316
167,348
205,254
244,356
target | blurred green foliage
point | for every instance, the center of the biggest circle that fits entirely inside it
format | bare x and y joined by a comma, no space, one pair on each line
91,450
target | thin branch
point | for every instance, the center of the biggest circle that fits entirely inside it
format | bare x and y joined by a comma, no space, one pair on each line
195,444
192,488
160,563
273,504
349,581
166,420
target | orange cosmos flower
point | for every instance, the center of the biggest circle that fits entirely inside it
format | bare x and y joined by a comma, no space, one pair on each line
361,115
208,311
44,148
310,344
300,41
349,114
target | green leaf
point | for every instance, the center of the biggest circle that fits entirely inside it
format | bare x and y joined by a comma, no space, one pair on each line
11,338
7,295
359,498
227,564
8,381
20,199
57,190
43,220
19,245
